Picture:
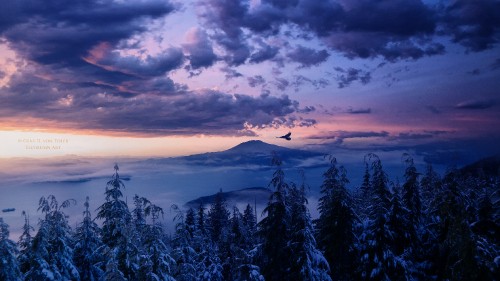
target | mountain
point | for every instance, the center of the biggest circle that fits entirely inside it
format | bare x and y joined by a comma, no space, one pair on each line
489,166
242,197
255,153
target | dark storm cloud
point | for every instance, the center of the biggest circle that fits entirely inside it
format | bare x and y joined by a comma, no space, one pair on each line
186,112
347,76
201,53
263,52
394,30
340,136
226,18
55,32
307,57
475,104
168,60
391,29
473,24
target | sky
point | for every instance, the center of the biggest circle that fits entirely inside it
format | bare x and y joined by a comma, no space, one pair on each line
168,78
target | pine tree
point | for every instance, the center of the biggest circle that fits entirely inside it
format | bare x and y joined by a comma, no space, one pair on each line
52,245
9,266
411,194
117,228
183,252
240,264
87,257
191,221
201,222
400,225
307,262
156,261
486,235
249,221
336,223
379,262
454,256
430,185
274,229
218,217
25,245
39,266
366,185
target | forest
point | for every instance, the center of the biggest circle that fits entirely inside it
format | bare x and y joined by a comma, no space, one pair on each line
426,227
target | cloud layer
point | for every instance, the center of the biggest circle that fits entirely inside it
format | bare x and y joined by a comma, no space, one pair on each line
92,64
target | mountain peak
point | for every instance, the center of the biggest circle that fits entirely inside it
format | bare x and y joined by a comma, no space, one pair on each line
256,146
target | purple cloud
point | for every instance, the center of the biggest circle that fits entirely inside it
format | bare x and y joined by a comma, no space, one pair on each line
199,49
256,80
184,112
166,61
347,76
473,24
307,57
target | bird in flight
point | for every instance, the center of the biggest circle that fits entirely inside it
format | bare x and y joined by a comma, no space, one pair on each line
287,136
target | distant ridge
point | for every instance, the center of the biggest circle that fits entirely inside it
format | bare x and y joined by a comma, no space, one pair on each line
489,166
252,195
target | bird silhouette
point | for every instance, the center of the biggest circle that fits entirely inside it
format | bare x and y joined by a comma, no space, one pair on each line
287,136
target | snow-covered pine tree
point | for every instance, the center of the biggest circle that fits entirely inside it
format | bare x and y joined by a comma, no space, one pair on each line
430,185
218,217
274,229
208,263
411,197
307,262
240,264
378,261
486,234
52,245
191,221
399,224
86,255
9,266
183,252
454,255
201,224
250,221
366,184
39,258
25,244
335,227
403,247
156,257
218,223
117,228
137,236
112,273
